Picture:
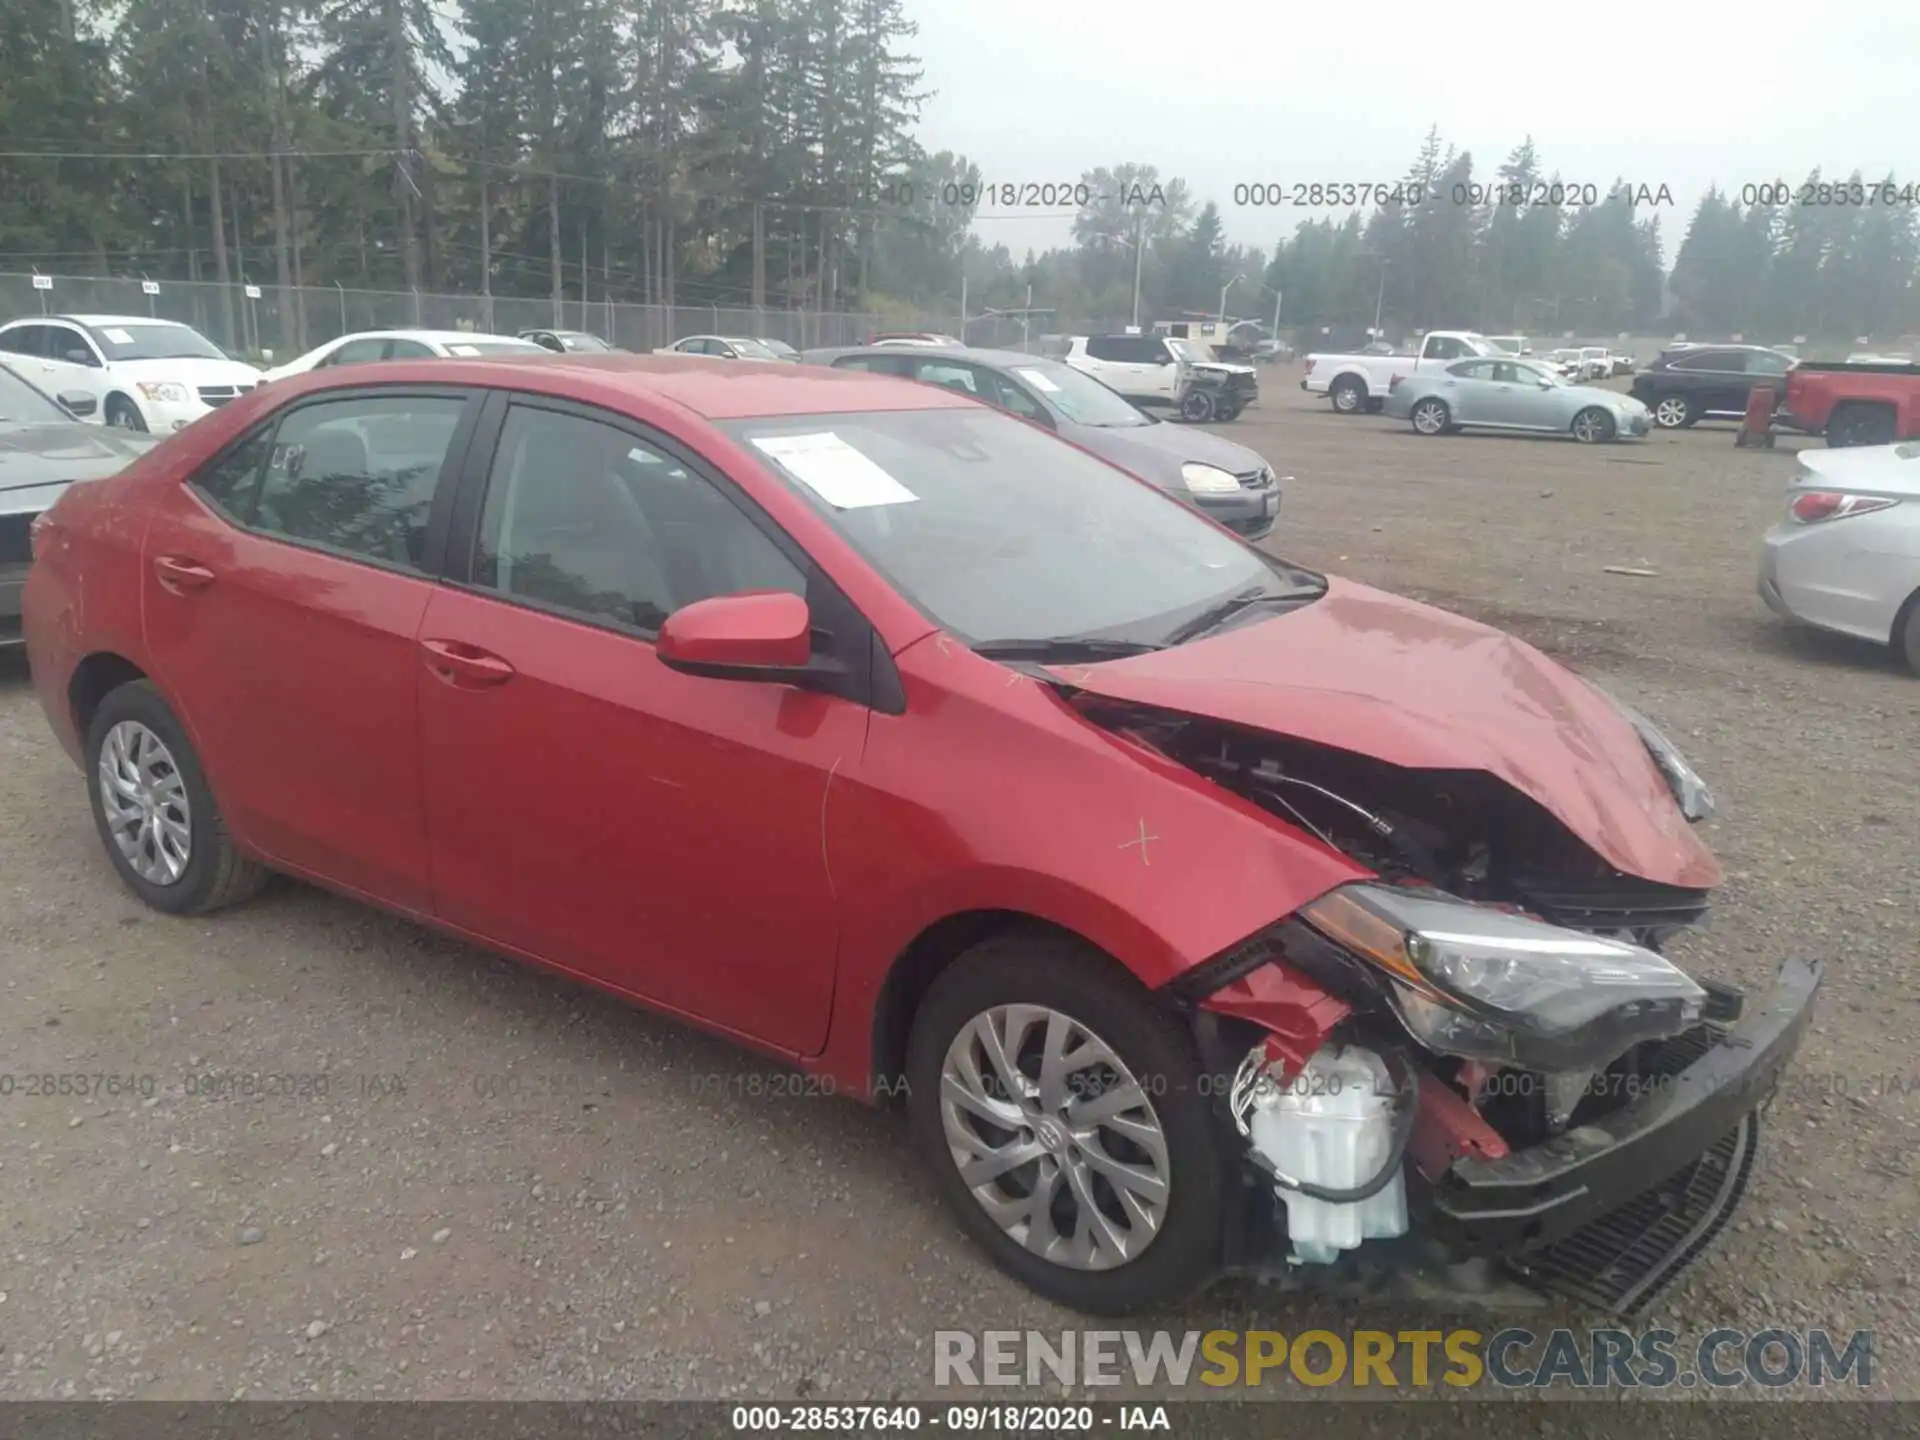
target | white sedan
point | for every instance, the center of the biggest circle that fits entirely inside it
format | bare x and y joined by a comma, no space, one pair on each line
1847,555
724,347
370,345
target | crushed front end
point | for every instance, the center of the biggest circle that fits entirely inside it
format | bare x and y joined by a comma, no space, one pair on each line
1476,1072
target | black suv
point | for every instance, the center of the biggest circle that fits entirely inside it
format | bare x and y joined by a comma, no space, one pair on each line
1695,380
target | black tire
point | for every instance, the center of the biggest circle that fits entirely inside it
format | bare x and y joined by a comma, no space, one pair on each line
216,873
1375,404
1431,416
1593,426
1861,425
1349,395
123,414
1906,633
1064,975
1196,407
1674,412
1232,412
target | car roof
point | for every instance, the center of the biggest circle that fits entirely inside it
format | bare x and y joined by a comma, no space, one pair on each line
976,353
97,320
742,390
446,337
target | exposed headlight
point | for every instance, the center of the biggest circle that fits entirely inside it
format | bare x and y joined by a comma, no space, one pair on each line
1208,479
165,391
1487,984
1690,792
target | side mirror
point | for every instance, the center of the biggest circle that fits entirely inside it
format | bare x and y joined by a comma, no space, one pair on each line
1544,384
77,356
764,635
77,403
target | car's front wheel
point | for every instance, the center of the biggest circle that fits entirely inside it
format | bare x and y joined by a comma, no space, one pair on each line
1196,406
1593,426
159,821
123,414
1061,1113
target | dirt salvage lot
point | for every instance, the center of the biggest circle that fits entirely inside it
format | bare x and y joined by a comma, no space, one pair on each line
513,1188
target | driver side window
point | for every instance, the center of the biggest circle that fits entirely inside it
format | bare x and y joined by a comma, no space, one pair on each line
66,343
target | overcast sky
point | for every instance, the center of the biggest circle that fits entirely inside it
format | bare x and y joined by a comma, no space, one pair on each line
1223,92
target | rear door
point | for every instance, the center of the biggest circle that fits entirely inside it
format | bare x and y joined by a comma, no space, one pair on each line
654,831
283,592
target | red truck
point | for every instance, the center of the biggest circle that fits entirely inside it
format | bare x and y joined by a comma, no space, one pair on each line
1861,404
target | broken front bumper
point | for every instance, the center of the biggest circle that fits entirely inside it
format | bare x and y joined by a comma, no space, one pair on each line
1613,1210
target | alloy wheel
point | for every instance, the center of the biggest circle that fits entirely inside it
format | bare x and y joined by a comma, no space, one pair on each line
1671,412
144,799
1430,417
1054,1137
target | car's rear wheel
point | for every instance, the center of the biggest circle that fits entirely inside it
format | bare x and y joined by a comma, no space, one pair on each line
123,414
156,816
1349,395
1906,633
1196,406
1060,1111
1861,425
1671,412
1432,417
1593,426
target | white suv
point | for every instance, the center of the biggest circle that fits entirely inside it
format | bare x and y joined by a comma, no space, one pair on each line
1162,370
143,374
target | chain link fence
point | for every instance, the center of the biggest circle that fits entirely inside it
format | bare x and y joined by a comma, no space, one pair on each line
269,321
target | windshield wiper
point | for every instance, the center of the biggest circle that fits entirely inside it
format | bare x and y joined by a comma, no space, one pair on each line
1063,648
1217,615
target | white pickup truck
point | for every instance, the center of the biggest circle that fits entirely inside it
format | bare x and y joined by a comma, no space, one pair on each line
1360,382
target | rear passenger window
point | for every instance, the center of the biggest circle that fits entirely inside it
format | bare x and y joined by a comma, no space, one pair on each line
230,481
357,476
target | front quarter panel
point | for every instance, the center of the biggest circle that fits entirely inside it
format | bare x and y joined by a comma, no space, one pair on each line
991,793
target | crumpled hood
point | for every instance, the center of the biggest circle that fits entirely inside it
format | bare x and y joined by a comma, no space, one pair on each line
1369,672
1220,367
57,453
1156,452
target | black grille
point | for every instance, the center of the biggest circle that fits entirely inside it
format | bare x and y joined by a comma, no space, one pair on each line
1620,903
218,395
1260,479
16,547
1624,1260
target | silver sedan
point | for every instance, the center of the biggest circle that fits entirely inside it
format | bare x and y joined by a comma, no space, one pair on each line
1510,394
1847,555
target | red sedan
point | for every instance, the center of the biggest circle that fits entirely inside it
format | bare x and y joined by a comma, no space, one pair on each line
1209,913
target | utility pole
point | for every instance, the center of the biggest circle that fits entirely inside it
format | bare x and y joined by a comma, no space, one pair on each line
486,254
759,259
403,139
282,272
1139,254
1380,300
1276,315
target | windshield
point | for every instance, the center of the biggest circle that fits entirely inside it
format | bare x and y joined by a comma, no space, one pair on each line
1540,372
573,340
22,404
752,349
134,340
999,532
1196,351
1080,398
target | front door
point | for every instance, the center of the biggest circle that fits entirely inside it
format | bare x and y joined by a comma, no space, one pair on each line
284,589
655,831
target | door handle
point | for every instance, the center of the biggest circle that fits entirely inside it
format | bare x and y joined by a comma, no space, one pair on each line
179,574
461,664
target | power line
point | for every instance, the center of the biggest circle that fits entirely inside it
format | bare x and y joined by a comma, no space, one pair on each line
193,155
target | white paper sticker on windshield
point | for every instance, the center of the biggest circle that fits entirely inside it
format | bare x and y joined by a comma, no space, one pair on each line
835,471
1038,381
118,337
463,350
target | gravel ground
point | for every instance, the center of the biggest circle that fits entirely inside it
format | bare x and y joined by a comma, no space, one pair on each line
512,1188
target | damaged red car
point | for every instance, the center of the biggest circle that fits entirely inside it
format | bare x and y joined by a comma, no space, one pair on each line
1210,915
